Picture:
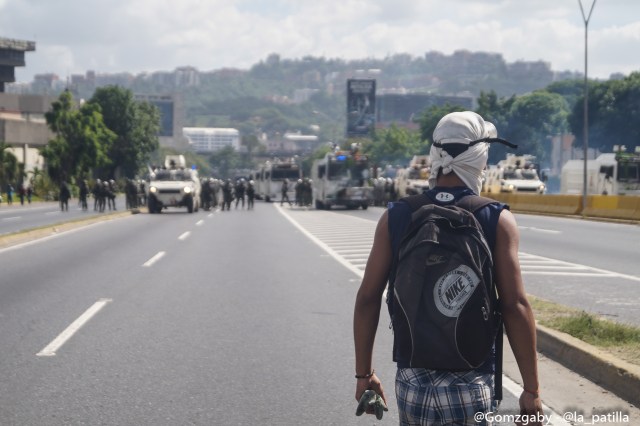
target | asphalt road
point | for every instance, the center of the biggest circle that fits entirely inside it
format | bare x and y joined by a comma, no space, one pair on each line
19,217
216,318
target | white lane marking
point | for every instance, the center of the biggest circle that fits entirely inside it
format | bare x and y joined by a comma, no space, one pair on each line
548,231
51,348
530,264
200,222
50,213
9,219
154,259
184,236
515,389
554,264
322,245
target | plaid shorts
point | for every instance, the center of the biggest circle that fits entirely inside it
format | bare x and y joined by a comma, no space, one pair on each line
435,397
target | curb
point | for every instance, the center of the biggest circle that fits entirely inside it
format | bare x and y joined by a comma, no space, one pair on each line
9,240
613,374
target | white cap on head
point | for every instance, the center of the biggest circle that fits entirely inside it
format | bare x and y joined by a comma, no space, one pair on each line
459,129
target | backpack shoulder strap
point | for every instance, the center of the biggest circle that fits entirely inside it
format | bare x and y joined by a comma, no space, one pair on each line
474,203
416,201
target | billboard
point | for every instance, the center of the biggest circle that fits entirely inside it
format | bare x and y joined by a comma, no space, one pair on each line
361,107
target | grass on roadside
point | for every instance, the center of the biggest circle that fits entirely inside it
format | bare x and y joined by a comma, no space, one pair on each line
621,340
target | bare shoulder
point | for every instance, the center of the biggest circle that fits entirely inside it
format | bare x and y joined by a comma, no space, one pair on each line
382,229
384,219
507,235
507,222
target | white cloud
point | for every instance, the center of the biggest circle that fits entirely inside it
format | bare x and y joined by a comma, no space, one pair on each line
73,36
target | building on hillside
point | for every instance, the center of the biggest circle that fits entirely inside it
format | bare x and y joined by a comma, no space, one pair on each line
46,84
211,139
303,95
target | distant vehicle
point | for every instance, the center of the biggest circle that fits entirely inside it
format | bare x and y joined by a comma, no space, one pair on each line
341,179
415,178
173,185
609,174
514,174
269,177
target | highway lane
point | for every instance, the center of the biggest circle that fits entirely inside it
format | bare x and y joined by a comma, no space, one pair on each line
242,321
17,217
589,265
212,318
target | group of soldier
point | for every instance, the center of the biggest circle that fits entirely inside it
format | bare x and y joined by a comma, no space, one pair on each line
303,192
238,191
384,191
223,193
135,192
103,191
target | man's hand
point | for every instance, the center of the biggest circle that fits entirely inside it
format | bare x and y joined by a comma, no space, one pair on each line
374,384
530,405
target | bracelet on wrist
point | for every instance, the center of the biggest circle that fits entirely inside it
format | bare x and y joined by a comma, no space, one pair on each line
535,394
365,376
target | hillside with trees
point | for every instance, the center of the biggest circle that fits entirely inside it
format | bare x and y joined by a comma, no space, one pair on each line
528,101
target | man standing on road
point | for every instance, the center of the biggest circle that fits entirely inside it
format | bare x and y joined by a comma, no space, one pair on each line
427,396
64,196
9,194
285,192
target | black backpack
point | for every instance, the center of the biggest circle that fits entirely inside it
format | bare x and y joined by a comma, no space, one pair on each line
442,297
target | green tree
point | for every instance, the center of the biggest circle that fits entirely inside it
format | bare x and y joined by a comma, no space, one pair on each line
223,161
81,139
495,110
429,119
395,145
614,114
135,124
533,119
9,169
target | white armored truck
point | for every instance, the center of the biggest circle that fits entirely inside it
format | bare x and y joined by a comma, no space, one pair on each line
341,179
515,174
173,185
415,178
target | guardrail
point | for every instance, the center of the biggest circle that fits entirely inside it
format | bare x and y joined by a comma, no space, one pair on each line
625,207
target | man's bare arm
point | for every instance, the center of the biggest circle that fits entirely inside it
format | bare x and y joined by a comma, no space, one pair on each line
517,314
368,303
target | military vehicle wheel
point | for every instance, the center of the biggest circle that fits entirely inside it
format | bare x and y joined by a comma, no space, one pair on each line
190,205
365,206
319,205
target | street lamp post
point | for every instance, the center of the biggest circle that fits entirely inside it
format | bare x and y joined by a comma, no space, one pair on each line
585,131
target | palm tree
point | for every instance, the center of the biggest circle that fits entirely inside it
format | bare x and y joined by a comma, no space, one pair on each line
8,164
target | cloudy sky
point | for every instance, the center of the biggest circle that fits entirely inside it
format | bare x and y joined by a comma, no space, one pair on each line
73,36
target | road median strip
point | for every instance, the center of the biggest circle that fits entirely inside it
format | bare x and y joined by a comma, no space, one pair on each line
596,363
20,237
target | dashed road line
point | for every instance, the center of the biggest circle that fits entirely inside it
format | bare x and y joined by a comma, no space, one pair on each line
52,348
154,259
